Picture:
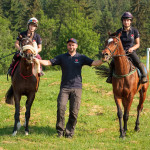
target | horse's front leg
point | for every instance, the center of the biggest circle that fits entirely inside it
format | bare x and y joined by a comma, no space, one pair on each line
30,99
120,115
17,124
127,102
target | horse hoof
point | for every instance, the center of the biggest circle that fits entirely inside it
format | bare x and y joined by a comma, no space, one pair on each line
26,133
136,129
122,137
14,133
18,125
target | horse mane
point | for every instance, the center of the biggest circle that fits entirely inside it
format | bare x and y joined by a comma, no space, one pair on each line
115,34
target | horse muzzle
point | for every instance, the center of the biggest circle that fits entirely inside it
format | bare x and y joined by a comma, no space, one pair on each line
28,57
105,56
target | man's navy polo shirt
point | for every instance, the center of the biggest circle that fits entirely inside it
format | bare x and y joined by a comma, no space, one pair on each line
128,39
36,37
71,69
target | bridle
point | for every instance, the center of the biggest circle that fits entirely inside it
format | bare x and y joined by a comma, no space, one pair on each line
115,49
22,54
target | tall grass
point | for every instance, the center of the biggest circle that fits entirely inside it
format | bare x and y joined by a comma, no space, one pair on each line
97,126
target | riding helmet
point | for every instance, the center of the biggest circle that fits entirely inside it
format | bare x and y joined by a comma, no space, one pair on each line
33,20
127,15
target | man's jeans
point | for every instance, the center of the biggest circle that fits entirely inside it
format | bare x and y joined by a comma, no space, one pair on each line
74,95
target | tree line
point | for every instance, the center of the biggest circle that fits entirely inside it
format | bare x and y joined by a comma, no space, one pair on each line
89,21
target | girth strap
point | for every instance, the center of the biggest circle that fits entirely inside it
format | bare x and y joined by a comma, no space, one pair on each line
125,75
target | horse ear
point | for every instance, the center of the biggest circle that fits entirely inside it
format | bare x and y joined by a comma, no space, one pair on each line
109,33
120,33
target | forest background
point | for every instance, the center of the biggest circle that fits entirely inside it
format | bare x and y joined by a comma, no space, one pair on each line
89,21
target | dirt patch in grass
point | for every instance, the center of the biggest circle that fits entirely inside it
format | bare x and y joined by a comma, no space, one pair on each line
101,130
95,110
54,83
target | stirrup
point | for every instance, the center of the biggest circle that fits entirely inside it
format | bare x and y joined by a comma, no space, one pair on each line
9,71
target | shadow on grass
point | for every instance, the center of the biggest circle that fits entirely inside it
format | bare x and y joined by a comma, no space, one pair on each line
46,130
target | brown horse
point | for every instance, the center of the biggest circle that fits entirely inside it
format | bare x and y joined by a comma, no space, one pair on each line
125,82
25,81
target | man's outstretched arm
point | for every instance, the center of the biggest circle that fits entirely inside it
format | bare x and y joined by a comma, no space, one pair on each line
96,63
43,62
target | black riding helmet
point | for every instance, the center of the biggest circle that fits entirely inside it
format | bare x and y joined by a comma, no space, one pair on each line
127,15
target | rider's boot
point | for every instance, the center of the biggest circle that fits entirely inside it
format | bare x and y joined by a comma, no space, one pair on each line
16,57
143,72
111,67
11,67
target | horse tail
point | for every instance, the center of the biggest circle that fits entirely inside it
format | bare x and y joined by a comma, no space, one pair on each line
9,97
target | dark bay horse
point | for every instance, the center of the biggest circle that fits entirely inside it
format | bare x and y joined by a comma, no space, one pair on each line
125,82
25,81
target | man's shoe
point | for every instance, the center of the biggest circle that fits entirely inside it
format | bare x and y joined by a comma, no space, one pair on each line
109,80
68,136
59,135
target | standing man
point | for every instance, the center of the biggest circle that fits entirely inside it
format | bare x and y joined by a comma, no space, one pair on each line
71,85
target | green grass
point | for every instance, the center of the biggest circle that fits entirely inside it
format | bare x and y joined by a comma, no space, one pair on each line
97,126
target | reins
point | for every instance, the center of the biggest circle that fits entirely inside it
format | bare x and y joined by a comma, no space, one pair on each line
23,76
7,55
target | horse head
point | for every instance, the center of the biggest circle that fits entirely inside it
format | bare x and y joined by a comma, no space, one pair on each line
24,40
111,46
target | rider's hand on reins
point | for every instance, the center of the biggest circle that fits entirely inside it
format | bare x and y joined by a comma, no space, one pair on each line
130,50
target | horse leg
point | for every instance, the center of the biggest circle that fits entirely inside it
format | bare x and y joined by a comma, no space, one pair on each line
140,107
127,105
125,119
29,102
17,124
119,114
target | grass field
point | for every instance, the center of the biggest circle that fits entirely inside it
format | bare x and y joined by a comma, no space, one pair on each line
97,127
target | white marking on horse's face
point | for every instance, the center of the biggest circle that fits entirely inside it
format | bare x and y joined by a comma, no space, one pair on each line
110,40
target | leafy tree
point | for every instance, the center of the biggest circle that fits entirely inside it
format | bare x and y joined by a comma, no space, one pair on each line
6,45
81,29
47,29
139,11
34,9
1,12
105,25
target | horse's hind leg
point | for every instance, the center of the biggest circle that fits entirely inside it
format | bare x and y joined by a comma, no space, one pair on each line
140,107
17,124
27,114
